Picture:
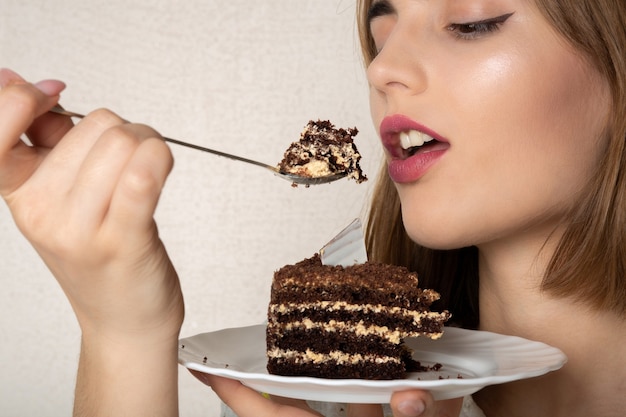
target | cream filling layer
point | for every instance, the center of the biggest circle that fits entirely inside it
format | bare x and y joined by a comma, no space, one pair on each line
331,326
342,305
341,358
315,168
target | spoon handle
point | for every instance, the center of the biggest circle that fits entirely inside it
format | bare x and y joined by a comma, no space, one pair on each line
60,110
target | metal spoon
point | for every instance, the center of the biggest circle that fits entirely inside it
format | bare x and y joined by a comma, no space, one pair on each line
293,178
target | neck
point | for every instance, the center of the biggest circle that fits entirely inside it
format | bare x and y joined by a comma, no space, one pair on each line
593,381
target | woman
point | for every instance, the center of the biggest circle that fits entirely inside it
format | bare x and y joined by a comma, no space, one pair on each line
520,182
524,185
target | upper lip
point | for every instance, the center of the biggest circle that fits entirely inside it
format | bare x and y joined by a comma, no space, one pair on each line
392,126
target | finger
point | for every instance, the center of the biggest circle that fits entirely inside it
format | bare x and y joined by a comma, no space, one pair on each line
138,189
412,403
364,410
48,129
60,169
70,152
290,401
200,376
104,167
20,104
30,101
51,88
246,402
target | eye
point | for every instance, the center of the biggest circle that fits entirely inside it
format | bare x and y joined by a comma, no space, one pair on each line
377,21
474,30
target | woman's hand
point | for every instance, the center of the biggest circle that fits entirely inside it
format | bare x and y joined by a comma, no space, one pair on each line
85,196
246,402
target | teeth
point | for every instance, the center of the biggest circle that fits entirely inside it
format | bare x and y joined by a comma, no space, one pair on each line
413,138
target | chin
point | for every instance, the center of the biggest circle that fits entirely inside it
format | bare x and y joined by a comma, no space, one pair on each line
434,233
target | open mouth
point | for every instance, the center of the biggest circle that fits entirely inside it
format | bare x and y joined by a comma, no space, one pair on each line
414,141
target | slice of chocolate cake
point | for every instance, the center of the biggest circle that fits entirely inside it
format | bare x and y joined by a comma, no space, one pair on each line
347,322
323,150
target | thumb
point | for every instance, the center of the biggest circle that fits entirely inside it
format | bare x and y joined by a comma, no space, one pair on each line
20,104
420,403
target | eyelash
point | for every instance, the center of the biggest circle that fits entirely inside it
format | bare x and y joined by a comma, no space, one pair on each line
474,30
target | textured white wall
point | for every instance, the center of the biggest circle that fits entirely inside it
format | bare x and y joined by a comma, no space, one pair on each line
239,75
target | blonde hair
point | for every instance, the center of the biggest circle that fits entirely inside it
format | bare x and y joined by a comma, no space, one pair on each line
589,264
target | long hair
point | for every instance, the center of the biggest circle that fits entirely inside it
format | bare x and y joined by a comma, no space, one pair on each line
589,264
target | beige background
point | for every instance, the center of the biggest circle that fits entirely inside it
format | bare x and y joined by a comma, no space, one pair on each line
239,75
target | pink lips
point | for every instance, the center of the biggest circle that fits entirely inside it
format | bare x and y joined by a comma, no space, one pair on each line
402,167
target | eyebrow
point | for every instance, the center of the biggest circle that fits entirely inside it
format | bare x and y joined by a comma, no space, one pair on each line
379,8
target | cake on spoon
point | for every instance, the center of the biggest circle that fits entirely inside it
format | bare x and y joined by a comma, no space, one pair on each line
323,150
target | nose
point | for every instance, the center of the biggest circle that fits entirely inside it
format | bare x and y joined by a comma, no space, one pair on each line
398,68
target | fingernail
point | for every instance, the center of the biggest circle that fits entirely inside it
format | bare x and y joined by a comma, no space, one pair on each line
50,87
411,408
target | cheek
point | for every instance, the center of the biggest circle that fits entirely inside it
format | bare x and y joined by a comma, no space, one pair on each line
534,114
527,141
556,120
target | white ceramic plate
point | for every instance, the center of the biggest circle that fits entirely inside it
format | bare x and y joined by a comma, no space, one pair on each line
471,360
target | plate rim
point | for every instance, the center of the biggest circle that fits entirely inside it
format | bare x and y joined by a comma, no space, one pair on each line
441,388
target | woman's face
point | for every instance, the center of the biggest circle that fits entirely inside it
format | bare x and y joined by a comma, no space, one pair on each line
512,118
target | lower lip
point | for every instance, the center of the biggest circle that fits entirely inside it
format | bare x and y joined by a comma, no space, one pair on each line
413,168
